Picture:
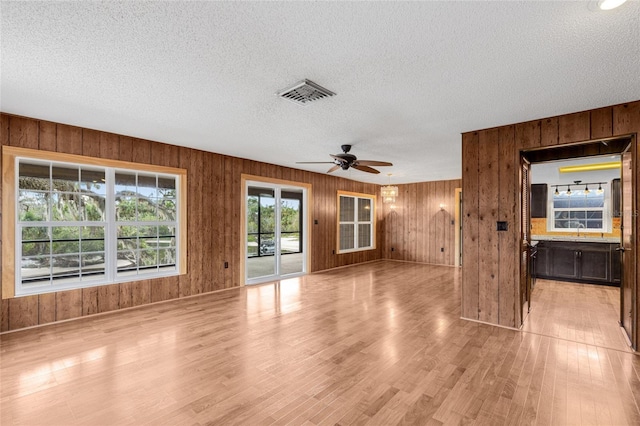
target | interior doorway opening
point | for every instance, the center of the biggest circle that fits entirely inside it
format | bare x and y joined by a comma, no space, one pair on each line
577,231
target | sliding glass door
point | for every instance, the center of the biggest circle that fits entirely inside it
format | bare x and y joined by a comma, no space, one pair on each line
275,231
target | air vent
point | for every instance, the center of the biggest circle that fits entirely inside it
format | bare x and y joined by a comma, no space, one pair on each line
304,92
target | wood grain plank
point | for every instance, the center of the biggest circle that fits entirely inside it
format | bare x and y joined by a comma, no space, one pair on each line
574,127
109,146
549,132
140,292
4,129
48,136
23,312
528,135
108,298
68,304
184,280
89,301
601,121
471,250
23,132
141,151
68,139
4,315
91,143
507,242
488,267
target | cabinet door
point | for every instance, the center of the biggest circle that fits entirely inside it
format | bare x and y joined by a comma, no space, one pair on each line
595,265
565,263
616,198
616,264
542,262
539,200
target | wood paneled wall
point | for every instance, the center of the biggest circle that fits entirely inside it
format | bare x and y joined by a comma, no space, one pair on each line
214,203
417,230
491,191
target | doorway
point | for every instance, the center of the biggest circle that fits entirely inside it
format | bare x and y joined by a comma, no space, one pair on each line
575,223
275,233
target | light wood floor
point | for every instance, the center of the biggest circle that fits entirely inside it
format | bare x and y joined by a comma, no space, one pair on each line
380,343
583,313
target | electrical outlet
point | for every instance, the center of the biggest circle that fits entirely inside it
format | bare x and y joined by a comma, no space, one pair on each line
393,249
226,265
441,249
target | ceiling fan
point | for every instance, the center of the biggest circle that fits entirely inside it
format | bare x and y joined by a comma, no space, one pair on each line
345,160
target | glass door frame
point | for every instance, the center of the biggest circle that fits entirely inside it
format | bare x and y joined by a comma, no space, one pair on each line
278,186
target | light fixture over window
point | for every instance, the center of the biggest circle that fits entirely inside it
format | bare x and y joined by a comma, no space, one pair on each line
389,192
610,4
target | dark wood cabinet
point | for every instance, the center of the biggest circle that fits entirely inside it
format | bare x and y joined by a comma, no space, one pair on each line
565,262
616,198
539,200
597,263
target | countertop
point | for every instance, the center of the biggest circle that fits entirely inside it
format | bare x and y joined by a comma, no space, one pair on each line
576,239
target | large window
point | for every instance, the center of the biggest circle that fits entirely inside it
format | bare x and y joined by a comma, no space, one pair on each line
81,224
579,210
356,223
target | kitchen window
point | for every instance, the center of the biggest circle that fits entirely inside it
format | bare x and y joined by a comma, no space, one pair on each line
79,224
579,210
356,222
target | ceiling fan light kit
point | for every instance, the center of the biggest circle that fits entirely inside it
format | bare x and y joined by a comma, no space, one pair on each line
345,161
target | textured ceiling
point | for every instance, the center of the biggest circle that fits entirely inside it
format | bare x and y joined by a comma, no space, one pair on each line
409,76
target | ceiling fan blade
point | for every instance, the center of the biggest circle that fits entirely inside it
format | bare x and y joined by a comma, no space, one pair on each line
372,163
365,169
333,169
315,162
340,159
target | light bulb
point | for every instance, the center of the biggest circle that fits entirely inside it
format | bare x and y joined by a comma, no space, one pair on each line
610,4
586,189
568,190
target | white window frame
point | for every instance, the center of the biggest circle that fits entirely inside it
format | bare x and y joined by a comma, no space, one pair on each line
12,247
355,223
606,211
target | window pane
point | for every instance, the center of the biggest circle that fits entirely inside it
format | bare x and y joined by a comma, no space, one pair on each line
90,245
148,258
561,203
65,178
65,247
364,209
125,183
35,233
93,208
346,237
34,206
93,182
65,207
147,186
578,202
577,215
126,208
166,187
594,224
364,235
347,209
34,177
561,223
147,211
127,260
167,256
35,268
36,249
65,265
166,209
597,214
93,265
